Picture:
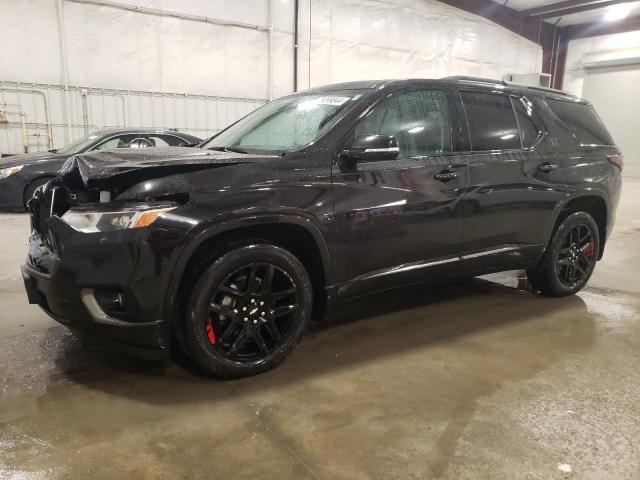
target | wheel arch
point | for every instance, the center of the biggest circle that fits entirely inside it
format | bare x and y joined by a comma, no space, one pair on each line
31,181
596,206
299,235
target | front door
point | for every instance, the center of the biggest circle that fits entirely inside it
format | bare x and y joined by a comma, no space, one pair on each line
396,219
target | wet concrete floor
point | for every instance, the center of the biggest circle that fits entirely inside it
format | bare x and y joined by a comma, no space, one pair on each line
479,379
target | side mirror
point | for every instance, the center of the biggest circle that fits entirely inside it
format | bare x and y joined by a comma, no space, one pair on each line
371,148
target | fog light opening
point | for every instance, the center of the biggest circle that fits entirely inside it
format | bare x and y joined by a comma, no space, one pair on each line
110,300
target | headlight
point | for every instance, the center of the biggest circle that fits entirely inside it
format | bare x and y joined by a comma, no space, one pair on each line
7,172
120,219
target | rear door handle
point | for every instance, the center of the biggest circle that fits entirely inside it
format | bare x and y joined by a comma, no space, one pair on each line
547,167
446,176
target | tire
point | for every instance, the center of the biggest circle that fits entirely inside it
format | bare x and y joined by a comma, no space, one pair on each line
570,258
31,188
228,332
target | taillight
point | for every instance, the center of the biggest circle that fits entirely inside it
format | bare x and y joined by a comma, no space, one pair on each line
617,160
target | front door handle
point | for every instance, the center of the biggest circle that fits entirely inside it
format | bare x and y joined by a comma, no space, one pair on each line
446,176
547,167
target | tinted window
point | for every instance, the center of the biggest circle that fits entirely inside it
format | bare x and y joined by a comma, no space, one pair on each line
492,123
582,121
528,130
418,119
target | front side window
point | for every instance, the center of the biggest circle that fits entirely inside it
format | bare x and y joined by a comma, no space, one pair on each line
492,123
79,145
418,119
121,141
288,123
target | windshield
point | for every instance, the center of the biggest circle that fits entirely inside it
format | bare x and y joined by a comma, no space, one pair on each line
78,145
287,123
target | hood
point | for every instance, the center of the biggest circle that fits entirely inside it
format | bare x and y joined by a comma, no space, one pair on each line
108,168
28,158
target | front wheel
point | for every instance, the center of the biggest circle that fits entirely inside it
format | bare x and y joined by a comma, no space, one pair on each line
570,258
31,188
248,311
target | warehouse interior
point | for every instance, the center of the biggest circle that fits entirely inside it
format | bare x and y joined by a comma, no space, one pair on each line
479,378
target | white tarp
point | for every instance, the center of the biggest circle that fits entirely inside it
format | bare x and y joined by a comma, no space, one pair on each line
363,39
340,40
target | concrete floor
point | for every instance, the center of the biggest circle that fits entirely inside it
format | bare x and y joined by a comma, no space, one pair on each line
473,380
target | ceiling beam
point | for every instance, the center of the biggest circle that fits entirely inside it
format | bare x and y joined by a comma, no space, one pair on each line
583,8
555,7
594,29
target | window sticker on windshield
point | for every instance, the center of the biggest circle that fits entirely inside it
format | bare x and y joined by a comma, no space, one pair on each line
332,100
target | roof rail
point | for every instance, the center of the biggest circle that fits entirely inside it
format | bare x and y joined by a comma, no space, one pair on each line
547,90
464,78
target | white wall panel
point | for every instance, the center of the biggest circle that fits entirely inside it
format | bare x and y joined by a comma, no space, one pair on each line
360,39
614,90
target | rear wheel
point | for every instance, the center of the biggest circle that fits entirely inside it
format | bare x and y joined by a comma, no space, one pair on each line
248,311
570,258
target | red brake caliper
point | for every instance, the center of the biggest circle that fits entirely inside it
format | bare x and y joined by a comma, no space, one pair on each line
210,333
589,249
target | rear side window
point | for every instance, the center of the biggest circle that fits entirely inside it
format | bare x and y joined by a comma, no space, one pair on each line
529,132
583,122
492,123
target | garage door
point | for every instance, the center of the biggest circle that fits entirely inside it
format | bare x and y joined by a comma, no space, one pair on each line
615,92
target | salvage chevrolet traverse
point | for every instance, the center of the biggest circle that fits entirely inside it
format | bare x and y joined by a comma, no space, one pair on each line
231,248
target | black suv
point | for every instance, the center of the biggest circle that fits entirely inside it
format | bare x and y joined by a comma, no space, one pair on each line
231,248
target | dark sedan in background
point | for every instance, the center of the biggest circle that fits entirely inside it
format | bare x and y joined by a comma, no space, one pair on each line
20,175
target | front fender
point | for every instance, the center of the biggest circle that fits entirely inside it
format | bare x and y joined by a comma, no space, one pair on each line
227,223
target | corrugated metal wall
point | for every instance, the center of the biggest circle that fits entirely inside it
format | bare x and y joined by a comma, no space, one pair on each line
36,113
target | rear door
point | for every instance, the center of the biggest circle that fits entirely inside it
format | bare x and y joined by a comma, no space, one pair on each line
515,182
395,221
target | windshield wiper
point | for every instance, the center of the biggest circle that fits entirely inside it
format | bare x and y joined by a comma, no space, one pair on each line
228,149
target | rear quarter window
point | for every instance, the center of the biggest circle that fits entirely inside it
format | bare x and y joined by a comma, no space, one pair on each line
491,120
582,121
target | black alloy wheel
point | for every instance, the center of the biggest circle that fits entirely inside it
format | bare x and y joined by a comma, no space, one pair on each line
576,256
248,311
251,312
570,257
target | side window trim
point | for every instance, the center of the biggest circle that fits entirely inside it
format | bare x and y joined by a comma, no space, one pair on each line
528,106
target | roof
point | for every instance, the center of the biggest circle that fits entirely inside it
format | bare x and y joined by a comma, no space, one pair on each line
455,80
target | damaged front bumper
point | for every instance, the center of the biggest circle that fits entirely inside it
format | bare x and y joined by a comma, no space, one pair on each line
107,285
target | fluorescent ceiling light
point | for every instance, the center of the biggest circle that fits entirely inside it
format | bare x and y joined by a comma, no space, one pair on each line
617,12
